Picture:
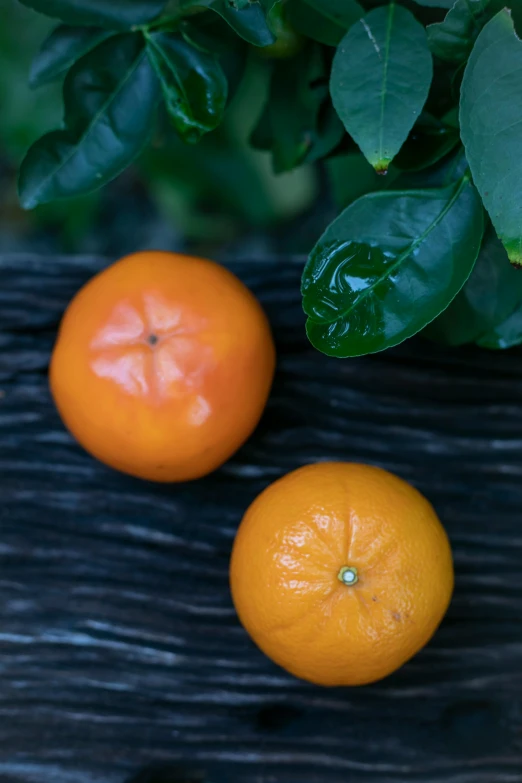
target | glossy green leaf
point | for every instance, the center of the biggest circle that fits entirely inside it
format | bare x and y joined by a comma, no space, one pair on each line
213,35
306,127
380,80
193,84
487,307
116,14
491,127
388,265
62,49
246,17
110,98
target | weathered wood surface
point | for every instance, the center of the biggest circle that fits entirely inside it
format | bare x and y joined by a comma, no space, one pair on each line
119,644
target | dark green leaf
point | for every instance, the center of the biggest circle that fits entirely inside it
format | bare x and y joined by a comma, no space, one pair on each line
110,98
380,80
213,35
62,49
488,305
430,140
388,265
116,14
491,127
210,33
246,17
306,127
453,39
193,83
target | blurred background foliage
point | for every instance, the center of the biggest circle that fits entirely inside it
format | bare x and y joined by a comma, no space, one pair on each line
217,195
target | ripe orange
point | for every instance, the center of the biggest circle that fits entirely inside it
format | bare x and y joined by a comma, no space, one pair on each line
341,572
163,366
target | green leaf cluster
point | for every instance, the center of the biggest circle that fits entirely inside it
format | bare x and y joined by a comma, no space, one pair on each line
416,109
119,62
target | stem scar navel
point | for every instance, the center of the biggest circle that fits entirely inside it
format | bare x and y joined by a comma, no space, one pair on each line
348,576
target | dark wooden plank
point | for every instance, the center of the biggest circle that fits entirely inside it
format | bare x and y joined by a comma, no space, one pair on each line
119,643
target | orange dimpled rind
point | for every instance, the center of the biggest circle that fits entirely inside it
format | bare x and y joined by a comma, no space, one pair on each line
341,573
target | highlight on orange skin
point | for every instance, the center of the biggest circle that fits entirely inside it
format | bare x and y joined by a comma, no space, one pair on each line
155,351
163,365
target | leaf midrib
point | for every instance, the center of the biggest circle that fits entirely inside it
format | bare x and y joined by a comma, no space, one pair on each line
391,11
411,248
161,53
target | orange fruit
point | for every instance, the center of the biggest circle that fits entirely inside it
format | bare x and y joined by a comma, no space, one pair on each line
163,366
341,572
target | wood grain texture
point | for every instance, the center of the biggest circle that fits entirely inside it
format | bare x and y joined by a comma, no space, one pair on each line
119,646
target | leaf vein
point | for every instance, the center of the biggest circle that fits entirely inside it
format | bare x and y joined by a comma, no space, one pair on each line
407,252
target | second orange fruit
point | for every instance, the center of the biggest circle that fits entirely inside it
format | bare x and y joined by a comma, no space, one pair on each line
341,572
163,366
